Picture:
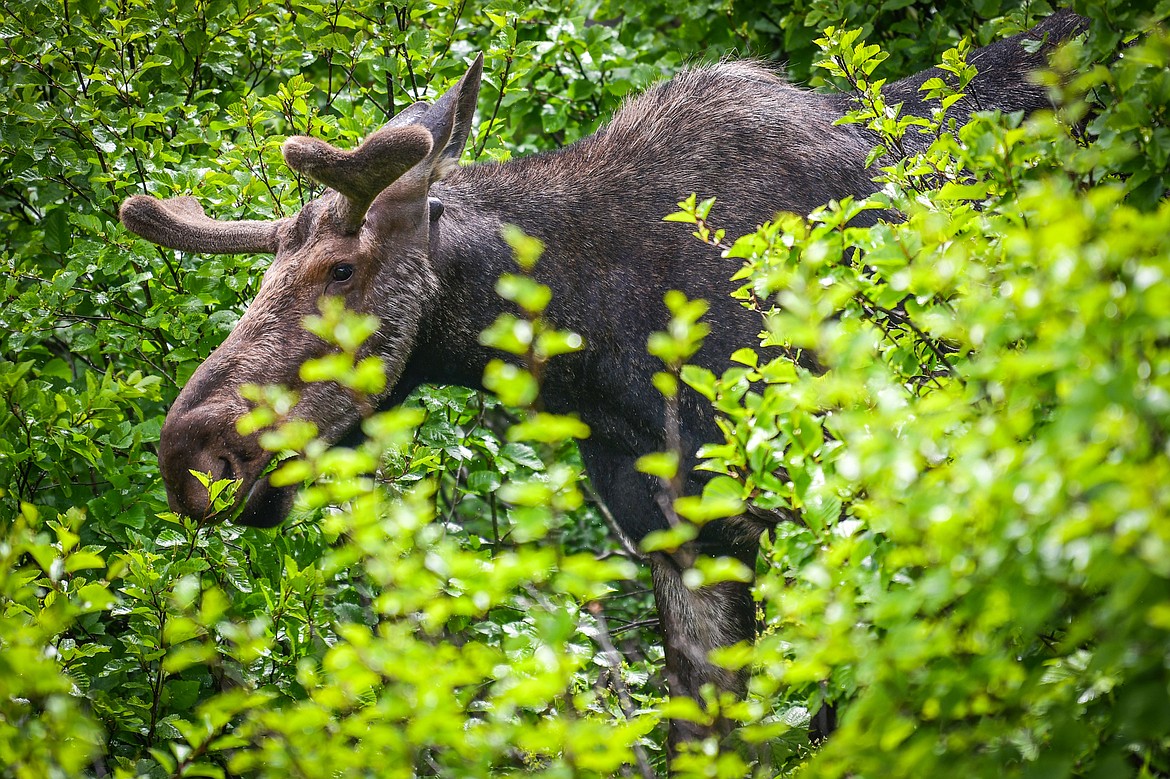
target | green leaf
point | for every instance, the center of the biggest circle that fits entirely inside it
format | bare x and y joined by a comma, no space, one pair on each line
951,191
527,293
669,540
514,386
81,560
548,428
664,465
526,249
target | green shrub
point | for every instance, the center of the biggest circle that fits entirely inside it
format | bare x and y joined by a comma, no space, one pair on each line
980,579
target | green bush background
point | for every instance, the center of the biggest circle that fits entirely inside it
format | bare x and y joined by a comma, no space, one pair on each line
982,578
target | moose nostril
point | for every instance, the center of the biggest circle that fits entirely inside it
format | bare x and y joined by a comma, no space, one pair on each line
203,440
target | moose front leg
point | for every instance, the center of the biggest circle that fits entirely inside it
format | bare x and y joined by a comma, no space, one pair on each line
694,622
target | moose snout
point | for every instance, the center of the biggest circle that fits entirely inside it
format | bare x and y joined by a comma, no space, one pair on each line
205,441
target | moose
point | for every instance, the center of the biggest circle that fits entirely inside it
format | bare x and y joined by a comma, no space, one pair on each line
406,233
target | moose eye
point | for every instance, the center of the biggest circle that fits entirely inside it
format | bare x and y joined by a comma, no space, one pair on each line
342,272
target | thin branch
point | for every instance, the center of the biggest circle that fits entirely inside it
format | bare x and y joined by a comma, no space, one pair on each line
614,527
619,686
499,99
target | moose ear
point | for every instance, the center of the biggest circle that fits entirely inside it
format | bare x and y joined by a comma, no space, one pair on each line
449,121
409,115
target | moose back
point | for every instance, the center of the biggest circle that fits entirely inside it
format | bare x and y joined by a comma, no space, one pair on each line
404,232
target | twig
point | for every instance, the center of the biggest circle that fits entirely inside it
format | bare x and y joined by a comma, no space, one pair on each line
499,99
903,319
454,29
619,686
614,527
635,625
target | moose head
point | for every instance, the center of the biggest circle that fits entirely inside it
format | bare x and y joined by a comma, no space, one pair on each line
366,239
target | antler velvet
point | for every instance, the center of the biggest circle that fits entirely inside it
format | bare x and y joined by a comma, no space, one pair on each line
433,135
359,175
180,223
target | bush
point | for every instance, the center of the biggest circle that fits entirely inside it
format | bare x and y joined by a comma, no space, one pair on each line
980,461
980,579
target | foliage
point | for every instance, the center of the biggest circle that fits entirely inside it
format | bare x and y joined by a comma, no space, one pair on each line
980,577
199,630
979,459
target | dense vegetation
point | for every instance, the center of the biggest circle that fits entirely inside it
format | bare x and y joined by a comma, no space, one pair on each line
981,582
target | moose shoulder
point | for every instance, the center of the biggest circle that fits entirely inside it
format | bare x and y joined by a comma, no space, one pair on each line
405,233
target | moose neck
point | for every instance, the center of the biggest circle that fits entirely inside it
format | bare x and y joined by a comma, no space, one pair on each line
606,258
468,255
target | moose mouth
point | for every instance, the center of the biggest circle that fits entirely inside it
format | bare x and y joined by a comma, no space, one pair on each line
266,505
199,443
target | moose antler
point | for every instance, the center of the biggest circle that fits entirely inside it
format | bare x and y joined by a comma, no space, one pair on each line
180,223
360,175
419,132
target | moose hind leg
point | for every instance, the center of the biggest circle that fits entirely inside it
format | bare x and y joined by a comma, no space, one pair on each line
694,622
